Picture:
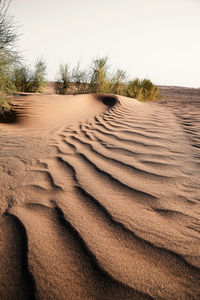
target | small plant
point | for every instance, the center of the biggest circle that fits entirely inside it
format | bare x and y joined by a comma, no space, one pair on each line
79,80
8,56
133,88
21,79
99,82
142,90
149,90
5,105
26,80
118,83
62,84
38,81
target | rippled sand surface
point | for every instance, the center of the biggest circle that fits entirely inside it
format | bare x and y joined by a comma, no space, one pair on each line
100,199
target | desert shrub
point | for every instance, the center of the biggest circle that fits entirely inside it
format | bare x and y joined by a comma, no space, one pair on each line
75,81
30,81
14,76
80,80
133,88
5,105
99,82
8,56
149,90
118,82
142,90
21,78
38,80
62,83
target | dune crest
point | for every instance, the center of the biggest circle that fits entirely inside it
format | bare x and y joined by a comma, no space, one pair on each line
99,200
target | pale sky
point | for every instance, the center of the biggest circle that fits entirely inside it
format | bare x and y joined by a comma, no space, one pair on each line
155,39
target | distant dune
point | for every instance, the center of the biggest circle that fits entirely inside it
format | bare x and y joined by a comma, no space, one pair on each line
178,93
100,199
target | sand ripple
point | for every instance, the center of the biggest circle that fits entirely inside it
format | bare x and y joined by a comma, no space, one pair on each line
99,200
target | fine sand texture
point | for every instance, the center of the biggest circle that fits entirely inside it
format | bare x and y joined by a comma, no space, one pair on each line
99,199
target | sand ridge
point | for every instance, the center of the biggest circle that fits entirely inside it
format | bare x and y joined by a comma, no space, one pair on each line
99,199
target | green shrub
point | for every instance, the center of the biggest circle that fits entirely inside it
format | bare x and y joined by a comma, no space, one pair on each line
21,79
72,82
8,57
79,79
26,80
118,84
99,82
142,90
133,88
62,84
38,81
5,105
13,75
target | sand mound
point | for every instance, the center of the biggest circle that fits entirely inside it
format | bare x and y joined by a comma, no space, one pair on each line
99,199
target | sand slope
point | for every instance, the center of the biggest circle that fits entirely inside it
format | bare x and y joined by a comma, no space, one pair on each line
99,199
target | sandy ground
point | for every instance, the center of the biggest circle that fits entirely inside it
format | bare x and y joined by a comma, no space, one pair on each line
100,199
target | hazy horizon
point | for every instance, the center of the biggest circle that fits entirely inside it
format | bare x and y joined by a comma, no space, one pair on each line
153,39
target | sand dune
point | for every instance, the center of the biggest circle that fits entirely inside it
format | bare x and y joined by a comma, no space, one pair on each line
99,199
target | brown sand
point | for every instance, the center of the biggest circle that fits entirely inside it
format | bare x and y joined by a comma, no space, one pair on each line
100,199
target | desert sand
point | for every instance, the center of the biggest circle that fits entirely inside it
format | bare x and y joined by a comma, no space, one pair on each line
100,199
